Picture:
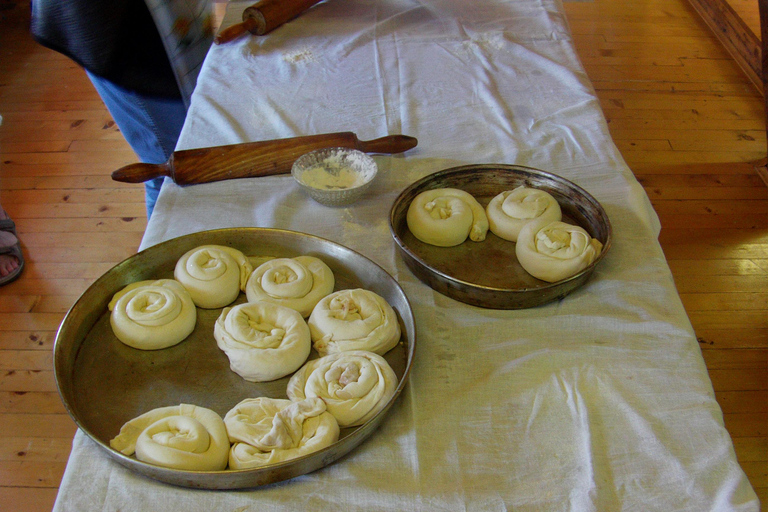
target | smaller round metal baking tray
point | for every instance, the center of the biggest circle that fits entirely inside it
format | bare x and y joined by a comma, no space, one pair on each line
487,274
104,384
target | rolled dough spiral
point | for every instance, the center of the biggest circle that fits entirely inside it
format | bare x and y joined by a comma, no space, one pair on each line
446,217
267,431
183,437
553,250
213,275
263,341
151,315
298,283
353,320
509,211
355,385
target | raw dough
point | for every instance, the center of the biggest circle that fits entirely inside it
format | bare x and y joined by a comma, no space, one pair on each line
183,437
354,320
267,431
355,385
298,283
509,211
553,250
151,315
446,217
213,275
263,341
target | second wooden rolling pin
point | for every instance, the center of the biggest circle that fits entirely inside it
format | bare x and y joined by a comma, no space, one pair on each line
263,17
253,159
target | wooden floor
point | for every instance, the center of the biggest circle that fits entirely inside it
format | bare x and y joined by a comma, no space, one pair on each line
684,117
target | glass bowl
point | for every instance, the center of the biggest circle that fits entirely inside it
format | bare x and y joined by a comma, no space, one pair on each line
334,176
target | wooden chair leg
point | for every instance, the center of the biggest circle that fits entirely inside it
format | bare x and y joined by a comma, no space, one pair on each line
748,50
762,167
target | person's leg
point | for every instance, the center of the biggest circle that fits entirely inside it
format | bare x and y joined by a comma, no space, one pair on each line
150,125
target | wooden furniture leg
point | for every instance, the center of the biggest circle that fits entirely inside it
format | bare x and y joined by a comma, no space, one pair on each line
748,50
761,167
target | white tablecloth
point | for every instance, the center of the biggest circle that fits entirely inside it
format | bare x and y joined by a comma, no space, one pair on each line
599,402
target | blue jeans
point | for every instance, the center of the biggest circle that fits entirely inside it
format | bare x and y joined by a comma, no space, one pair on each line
150,125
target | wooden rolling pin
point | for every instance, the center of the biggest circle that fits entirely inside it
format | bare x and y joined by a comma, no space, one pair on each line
263,17
253,159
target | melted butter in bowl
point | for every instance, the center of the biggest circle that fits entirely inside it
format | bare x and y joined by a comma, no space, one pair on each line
335,176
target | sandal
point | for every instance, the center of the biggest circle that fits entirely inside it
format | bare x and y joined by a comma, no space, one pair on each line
12,250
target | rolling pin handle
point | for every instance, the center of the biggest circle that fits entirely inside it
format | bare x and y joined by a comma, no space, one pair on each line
141,172
235,31
388,144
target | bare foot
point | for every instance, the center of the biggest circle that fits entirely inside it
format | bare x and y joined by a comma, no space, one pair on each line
8,263
7,239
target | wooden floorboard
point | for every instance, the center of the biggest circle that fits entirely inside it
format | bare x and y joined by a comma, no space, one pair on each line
690,125
686,119
58,145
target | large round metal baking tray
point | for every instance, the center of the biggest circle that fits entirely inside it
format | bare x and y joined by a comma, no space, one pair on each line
104,383
487,273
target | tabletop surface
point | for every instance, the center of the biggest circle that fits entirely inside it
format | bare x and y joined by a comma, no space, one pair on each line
599,401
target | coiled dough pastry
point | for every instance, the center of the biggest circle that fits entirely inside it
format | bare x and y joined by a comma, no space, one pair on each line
355,385
509,211
446,217
267,431
213,275
553,250
263,341
152,315
298,283
184,437
353,320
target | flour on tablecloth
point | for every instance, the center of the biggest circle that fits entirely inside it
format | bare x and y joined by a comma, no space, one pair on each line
301,55
489,42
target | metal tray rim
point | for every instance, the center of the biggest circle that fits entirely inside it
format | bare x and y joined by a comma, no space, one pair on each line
424,184
274,472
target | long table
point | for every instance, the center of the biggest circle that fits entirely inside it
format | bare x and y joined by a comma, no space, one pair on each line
599,401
